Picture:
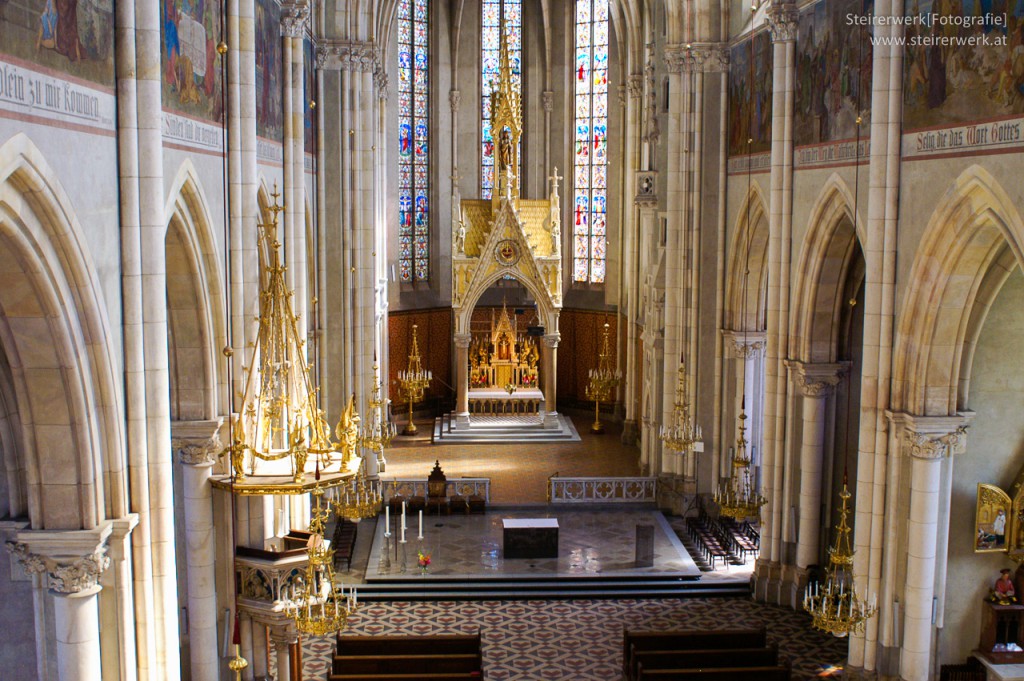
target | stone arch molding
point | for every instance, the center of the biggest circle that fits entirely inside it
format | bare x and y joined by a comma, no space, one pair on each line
967,235
56,337
745,312
833,232
188,211
487,270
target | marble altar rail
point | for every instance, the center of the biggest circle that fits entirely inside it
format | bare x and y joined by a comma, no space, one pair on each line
564,490
417,487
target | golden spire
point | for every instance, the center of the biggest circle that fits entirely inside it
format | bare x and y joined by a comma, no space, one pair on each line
506,123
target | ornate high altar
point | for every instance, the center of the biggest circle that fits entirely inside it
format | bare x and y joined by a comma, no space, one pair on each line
506,237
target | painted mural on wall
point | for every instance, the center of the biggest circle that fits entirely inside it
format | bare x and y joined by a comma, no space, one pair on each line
833,72
750,95
269,123
74,37
309,94
189,32
978,80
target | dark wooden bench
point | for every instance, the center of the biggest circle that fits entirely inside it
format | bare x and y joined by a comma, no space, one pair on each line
779,673
699,659
468,676
686,639
441,663
408,645
344,542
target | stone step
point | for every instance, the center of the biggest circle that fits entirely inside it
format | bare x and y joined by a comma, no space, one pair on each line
428,588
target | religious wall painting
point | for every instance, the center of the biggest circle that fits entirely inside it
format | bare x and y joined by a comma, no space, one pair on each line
309,94
991,519
833,72
73,37
269,115
980,80
750,96
191,68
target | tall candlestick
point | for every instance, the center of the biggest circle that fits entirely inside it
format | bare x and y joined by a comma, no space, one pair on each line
421,525
387,520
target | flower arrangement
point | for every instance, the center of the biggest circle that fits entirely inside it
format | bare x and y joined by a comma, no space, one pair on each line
529,380
510,388
478,381
423,560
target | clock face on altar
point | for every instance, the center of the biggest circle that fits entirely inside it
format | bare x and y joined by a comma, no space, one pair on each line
506,253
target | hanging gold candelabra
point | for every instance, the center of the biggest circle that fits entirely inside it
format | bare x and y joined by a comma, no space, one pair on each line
603,379
837,608
413,381
377,434
319,606
683,435
737,497
280,430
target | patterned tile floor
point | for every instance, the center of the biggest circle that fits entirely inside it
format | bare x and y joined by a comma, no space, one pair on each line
579,640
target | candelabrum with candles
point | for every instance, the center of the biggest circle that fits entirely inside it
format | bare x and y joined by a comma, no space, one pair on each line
603,379
683,435
318,606
837,607
737,497
413,380
377,431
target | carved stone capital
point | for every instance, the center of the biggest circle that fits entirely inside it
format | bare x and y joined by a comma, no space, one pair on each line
322,56
931,446
462,340
635,85
694,57
73,560
32,563
746,344
931,437
817,380
454,97
547,100
783,19
81,575
360,56
294,18
551,339
197,442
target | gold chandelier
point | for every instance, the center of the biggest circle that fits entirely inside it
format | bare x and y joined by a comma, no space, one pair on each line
837,608
281,425
683,435
318,606
413,381
603,379
737,497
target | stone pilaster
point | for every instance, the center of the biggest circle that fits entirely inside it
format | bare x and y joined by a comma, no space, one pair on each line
549,359
462,341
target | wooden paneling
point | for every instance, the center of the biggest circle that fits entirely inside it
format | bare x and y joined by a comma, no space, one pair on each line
579,347
434,334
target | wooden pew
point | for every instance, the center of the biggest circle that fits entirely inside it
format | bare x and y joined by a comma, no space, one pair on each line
468,676
699,659
778,673
408,645
443,663
686,639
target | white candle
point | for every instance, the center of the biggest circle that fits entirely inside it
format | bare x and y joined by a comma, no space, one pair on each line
421,525
387,520
403,533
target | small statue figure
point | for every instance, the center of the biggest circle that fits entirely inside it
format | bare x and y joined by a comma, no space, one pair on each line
460,239
1004,592
504,150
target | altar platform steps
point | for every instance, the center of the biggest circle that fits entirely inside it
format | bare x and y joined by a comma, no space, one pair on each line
415,587
508,429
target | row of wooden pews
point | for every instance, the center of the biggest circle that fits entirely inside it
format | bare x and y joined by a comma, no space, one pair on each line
452,657
701,655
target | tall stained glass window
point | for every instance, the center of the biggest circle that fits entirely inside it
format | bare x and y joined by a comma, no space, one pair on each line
590,176
413,152
513,18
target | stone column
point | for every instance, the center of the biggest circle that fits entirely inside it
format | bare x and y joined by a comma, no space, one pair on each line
294,18
549,356
930,442
748,351
72,562
198,443
283,637
117,603
636,192
454,97
462,341
782,21
817,382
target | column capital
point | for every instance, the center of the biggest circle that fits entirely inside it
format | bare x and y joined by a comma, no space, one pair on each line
817,379
783,19
462,340
745,344
380,81
197,442
551,339
932,437
454,97
349,55
72,559
697,57
646,188
547,100
283,634
294,18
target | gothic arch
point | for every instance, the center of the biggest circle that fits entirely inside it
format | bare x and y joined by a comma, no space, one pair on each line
465,312
746,311
195,319
972,241
56,338
824,267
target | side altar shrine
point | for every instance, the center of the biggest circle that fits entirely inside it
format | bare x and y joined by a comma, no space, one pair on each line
507,372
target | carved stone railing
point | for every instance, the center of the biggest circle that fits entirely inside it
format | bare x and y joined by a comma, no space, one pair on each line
601,490
263,580
463,487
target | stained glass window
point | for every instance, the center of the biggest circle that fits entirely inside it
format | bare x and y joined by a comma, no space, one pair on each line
513,19
590,168
413,150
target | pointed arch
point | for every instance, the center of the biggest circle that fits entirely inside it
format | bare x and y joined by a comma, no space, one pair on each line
56,338
746,302
972,240
834,236
195,300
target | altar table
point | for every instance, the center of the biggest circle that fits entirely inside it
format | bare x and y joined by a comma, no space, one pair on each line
530,537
